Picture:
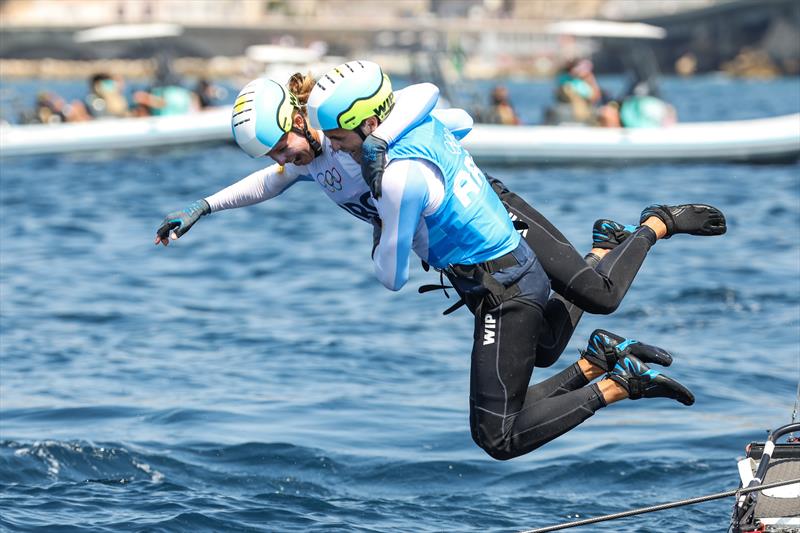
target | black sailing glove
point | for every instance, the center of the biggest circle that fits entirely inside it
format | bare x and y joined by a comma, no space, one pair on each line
181,221
373,162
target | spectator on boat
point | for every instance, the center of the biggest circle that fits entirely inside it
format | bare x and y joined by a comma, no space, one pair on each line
433,199
577,94
53,109
501,110
106,98
166,100
641,107
637,112
208,94
167,96
49,108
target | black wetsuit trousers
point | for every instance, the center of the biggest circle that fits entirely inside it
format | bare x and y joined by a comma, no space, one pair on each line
579,284
508,417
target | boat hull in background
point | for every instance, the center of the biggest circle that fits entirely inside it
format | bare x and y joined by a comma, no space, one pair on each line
116,134
765,140
774,139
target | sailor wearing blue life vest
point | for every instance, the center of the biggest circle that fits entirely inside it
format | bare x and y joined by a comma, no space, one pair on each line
434,200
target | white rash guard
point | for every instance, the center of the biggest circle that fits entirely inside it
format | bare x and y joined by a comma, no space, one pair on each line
340,177
336,172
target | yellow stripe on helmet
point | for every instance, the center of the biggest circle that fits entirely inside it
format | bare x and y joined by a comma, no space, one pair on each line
238,105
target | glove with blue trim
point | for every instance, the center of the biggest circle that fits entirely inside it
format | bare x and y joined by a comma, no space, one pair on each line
179,222
373,162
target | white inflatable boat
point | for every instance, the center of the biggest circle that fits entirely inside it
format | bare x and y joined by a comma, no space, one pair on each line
764,140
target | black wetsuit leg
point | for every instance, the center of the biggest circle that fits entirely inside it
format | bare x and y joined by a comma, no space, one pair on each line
561,316
508,418
596,290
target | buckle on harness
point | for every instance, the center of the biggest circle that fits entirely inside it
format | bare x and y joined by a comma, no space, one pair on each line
496,292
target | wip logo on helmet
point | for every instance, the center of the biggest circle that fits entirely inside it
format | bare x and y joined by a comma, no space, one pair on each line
384,107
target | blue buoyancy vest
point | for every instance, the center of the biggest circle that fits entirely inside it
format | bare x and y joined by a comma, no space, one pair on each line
471,225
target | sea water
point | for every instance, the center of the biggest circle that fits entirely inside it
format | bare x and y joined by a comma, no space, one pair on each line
254,376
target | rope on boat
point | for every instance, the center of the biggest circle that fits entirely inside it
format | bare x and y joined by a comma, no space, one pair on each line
661,507
797,397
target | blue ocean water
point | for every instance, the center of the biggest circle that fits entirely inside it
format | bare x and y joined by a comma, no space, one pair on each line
254,376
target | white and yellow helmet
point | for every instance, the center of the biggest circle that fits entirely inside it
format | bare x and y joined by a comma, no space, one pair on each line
346,95
262,114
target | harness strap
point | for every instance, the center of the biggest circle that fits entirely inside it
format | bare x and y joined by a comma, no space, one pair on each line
502,262
497,293
460,303
428,288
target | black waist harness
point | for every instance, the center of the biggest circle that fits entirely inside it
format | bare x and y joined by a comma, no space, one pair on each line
493,294
496,293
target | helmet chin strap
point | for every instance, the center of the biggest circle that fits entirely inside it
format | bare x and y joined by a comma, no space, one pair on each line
315,146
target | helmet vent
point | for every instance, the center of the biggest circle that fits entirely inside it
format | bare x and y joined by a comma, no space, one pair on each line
242,122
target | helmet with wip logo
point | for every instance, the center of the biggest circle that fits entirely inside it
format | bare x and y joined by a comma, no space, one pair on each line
346,95
262,114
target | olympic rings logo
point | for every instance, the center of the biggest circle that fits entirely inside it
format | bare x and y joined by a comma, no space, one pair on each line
330,180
